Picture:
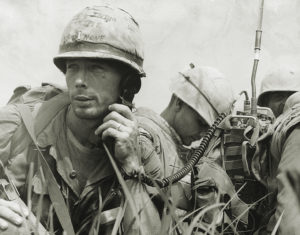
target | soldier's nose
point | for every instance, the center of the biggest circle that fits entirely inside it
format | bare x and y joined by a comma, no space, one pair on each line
80,83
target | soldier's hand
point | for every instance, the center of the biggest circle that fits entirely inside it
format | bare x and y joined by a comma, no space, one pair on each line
11,211
121,125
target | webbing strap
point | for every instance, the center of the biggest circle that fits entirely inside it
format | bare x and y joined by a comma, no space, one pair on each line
49,110
53,187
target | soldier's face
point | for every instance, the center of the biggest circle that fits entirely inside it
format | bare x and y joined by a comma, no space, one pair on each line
189,125
93,85
275,101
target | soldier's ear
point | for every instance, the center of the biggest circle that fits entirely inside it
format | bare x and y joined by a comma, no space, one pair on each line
178,103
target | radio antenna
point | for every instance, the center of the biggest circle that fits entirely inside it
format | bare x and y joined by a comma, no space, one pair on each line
256,59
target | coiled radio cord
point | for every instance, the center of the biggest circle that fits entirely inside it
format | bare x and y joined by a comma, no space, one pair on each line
162,183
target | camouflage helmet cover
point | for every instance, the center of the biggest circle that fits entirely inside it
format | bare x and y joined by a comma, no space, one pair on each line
283,79
102,32
204,89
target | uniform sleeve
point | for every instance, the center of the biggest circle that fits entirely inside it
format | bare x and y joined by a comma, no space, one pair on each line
148,221
150,158
287,199
9,122
13,144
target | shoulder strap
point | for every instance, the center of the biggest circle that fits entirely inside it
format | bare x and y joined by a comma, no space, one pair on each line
49,110
53,187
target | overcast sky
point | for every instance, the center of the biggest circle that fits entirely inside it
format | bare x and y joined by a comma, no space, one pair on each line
218,33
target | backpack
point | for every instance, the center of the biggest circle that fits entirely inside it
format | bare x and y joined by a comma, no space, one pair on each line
28,95
26,99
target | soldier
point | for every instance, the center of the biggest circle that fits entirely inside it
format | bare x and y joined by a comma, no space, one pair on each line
199,95
279,91
101,55
276,88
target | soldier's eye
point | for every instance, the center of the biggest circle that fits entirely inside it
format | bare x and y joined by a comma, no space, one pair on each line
72,67
97,68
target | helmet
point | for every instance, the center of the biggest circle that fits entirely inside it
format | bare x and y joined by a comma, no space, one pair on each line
293,100
283,79
205,90
102,32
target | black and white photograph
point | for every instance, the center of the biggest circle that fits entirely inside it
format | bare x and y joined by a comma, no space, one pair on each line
161,117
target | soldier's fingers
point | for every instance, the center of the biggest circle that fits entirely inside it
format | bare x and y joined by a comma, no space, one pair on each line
106,125
118,118
123,110
110,124
111,132
9,215
15,206
3,224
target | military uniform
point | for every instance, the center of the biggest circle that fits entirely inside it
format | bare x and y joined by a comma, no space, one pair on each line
284,151
278,156
197,87
78,181
107,34
165,147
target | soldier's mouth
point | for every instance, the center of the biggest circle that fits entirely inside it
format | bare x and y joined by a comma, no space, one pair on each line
82,98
